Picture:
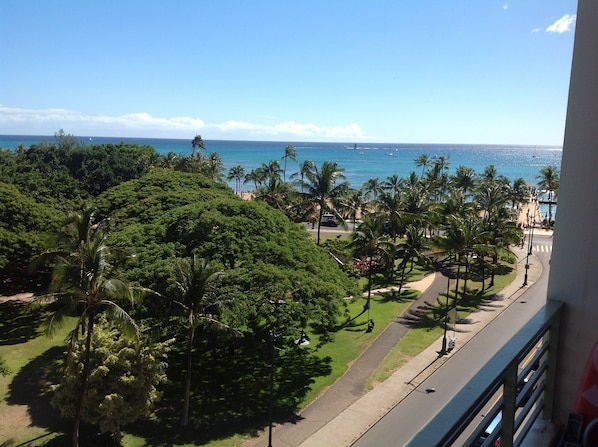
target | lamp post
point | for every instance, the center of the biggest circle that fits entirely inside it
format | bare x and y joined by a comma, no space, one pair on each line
303,340
446,308
529,246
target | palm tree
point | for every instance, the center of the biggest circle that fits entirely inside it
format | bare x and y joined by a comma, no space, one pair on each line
236,173
322,190
414,246
270,170
465,179
422,161
82,284
390,205
256,176
460,238
549,181
197,143
289,152
276,193
373,187
519,192
196,282
212,167
370,240
304,168
392,184
492,195
355,203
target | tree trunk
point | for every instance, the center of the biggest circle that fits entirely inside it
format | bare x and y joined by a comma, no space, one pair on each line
185,416
403,265
320,222
84,380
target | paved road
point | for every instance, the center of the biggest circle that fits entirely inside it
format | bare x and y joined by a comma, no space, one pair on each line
403,421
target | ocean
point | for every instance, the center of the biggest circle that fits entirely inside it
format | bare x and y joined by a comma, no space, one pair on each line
361,161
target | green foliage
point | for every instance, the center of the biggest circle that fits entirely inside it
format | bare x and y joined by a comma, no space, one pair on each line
122,383
4,371
24,225
166,215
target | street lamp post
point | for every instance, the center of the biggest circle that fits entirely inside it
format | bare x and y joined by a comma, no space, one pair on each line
446,309
303,340
529,247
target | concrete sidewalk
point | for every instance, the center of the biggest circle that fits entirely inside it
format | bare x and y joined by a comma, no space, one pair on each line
346,410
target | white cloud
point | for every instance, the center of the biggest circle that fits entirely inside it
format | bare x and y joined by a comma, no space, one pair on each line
562,25
22,121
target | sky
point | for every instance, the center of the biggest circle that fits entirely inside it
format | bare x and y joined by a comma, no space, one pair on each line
395,71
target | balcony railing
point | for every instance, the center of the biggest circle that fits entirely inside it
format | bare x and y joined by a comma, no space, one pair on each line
512,390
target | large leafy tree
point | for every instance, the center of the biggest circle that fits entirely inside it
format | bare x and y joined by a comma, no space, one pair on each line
24,225
325,187
83,285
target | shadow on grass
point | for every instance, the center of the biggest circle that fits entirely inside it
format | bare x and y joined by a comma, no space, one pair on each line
31,387
230,394
18,324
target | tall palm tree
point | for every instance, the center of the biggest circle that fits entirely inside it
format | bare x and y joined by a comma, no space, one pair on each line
256,176
271,170
323,189
213,167
236,173
465,179
414,246
304,167
492,195
289,152
196,282
370,240
275,193
372,186
460,238
392,184
390,205
197,143
82,283
422,161
519,192
355,203
549,181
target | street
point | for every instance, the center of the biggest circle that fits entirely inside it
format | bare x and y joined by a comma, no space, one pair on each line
405,420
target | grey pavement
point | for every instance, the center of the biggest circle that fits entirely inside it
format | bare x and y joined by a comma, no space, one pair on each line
346,410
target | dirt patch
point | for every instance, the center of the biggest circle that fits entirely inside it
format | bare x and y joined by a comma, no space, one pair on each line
15,419
25,297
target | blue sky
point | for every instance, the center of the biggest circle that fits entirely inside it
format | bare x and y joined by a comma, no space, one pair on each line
408,71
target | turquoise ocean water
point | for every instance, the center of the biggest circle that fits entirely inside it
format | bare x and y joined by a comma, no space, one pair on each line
361,161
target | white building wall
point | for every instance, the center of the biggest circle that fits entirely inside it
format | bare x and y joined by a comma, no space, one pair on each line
574,265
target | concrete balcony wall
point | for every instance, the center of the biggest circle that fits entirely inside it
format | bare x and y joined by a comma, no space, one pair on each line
574,265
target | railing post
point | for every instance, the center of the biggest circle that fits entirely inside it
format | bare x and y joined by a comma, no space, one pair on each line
551,362
509,405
